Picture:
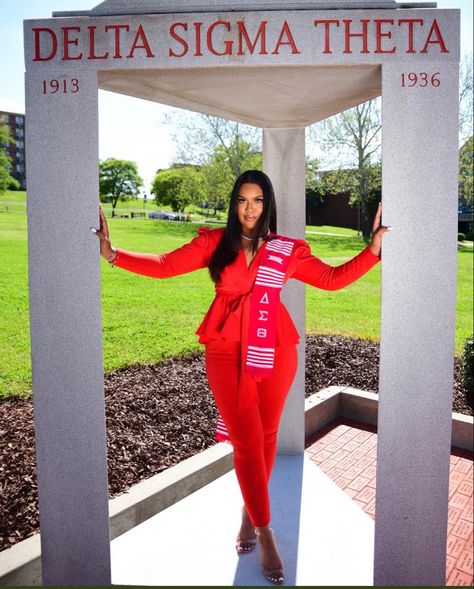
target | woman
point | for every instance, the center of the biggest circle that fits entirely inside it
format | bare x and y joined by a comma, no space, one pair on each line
250,339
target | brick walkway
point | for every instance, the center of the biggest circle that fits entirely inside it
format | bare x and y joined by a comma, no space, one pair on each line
346,451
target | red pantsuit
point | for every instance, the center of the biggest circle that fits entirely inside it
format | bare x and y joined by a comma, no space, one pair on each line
251,409
252,430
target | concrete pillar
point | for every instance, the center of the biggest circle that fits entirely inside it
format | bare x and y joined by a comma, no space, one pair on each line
284,162
66,339
420,162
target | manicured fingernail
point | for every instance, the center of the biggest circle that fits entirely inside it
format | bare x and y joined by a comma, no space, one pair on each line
389,228
93,229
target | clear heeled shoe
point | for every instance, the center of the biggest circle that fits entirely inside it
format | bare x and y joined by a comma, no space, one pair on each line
245,546
275,576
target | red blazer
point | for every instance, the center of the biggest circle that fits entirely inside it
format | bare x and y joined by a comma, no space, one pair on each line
223,321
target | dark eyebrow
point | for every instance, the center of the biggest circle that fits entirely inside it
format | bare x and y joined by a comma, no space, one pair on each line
258,196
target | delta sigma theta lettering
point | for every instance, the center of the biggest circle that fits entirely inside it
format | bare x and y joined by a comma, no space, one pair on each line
264,303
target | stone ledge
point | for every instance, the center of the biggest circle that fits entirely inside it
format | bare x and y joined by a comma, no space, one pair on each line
21,564
151,496
339,401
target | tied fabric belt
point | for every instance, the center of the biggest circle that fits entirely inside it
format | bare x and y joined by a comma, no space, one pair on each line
259,324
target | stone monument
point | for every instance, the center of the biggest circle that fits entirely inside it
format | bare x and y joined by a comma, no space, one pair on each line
279,66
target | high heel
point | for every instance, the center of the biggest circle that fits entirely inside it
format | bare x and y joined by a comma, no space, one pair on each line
276,576
245,546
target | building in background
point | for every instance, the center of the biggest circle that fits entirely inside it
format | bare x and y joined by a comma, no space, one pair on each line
16,150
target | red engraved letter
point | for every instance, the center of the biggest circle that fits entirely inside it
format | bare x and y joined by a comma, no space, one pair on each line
379,34
197,27
54,44
175,35
411,22
228,44
116,28
348,35
92,54
435,32
327,24
67,41
145,45
290,41
251,46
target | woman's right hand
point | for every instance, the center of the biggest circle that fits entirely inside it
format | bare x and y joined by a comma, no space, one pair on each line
102,233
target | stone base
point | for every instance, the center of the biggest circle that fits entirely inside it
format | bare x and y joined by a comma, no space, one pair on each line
323,536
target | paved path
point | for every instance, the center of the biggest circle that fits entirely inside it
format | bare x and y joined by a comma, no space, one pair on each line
346,451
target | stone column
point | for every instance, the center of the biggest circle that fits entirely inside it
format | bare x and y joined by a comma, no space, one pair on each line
284,162
66,339
420,162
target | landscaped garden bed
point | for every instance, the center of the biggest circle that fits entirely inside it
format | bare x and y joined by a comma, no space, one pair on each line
159,415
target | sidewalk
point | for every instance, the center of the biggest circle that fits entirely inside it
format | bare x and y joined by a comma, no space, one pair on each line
312,535
346,451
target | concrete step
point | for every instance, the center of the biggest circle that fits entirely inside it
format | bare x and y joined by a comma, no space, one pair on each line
323,536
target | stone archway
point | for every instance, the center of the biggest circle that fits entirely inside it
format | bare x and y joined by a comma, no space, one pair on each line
303,61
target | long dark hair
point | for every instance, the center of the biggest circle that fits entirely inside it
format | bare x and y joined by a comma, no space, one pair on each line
230,243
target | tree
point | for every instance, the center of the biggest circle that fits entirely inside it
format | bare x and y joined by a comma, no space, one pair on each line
349,180
314,190
220,173
465,98
218,184
355,134
6,180
178,187
466,159
197,136
221,148
118,180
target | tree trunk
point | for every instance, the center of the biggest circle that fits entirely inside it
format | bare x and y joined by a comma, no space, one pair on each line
114,201
363,190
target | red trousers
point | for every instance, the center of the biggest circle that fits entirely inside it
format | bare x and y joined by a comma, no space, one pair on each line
253,430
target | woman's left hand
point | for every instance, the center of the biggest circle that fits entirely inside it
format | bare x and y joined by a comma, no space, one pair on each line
377,231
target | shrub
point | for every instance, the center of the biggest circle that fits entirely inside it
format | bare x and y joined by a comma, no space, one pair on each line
467,363
470,236
461,237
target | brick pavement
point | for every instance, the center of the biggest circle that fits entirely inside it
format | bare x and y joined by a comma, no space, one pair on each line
346,450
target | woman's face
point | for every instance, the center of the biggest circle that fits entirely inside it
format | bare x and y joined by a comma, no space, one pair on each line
249,207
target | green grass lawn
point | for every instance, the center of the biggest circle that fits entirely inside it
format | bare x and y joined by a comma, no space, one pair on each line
15,201
329,229
145,320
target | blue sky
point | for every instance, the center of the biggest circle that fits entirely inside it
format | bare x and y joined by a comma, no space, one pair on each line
141,135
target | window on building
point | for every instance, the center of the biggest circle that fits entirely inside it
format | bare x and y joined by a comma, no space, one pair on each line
4,118
20,144
19,121
19,133
19,168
